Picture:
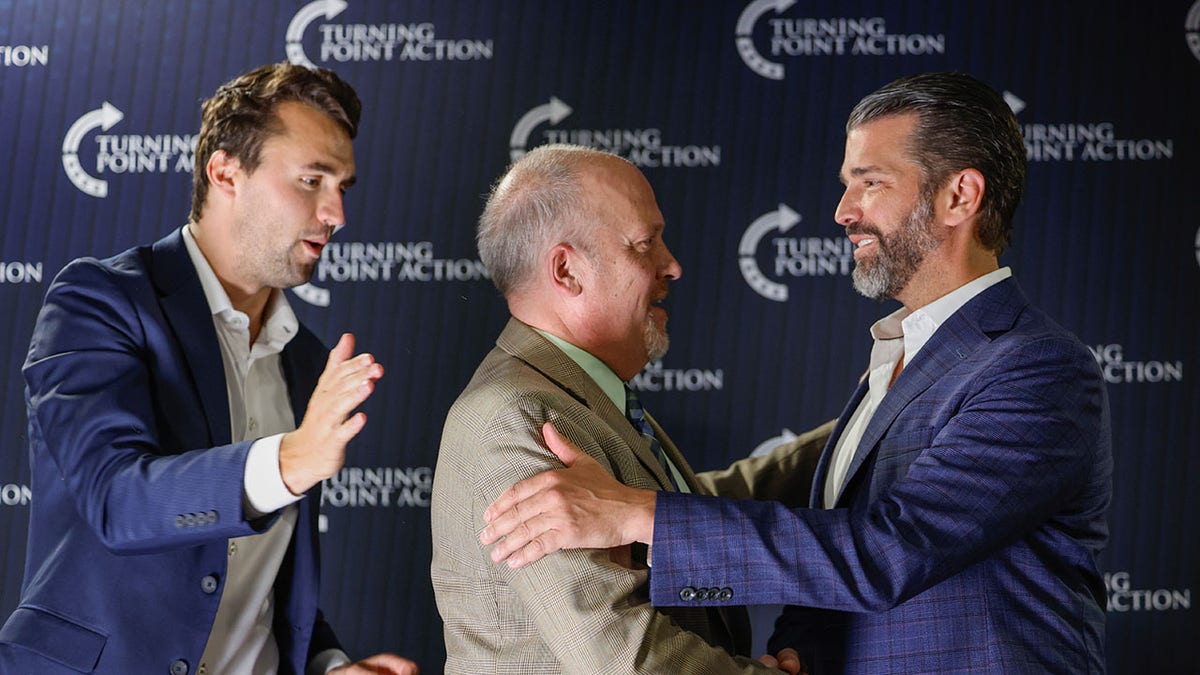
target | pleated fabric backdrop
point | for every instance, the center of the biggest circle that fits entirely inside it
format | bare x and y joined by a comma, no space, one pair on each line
735,111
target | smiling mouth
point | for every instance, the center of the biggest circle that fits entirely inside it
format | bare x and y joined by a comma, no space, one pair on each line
861,242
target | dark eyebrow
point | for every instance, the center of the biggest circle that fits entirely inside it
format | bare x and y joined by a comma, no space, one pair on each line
322,167
859,171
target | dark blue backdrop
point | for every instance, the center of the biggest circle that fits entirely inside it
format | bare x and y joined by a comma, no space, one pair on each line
735,110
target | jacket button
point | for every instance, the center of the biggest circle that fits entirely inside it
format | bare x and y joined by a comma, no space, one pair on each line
687,594
179,667
209,585
725,594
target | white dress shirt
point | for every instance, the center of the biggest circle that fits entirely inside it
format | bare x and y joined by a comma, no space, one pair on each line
898,336
241,640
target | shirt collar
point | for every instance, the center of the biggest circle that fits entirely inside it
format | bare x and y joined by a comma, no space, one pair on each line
917,326
601,374
279,321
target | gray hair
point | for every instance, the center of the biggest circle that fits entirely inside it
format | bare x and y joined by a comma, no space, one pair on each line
537,203
961,124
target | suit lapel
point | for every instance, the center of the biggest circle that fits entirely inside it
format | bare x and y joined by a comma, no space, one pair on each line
817,493
676,457
186,309
972,326
524,343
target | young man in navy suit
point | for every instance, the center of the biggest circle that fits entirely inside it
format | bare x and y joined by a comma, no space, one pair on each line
181,419
959,507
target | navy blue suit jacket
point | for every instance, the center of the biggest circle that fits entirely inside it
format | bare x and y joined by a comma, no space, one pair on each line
137,487
966,534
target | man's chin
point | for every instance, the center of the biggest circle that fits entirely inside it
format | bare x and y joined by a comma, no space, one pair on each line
657,346
870,283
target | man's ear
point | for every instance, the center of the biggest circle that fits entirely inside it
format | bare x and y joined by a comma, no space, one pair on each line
963,196
222,170
563,263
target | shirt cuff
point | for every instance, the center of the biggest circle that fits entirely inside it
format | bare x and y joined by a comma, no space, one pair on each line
263,483
326,661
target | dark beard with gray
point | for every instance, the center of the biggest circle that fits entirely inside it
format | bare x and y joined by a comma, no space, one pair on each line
899,254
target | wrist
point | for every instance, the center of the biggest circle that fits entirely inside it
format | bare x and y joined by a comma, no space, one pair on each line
641,521
294,479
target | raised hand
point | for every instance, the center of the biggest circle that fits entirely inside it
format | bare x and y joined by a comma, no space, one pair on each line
581,506
317,449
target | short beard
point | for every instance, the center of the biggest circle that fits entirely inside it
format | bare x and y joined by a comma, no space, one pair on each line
899,256
657,341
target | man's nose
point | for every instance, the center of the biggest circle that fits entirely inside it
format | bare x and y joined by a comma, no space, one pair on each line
331,212
847,212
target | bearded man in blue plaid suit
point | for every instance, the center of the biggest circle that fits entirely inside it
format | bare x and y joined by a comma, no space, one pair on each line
959,507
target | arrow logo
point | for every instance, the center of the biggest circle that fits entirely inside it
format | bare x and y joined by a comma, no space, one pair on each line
1014,103
1191,28
745,41
770,444
554,112
103,117
313,295
1198,246
781,220
306,15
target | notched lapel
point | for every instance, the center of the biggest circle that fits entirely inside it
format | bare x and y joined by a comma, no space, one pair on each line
816,499
975,324
524,343
186,309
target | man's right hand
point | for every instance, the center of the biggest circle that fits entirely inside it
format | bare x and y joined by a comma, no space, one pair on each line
786,660
317,449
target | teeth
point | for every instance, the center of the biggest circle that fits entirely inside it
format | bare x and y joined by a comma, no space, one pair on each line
865,242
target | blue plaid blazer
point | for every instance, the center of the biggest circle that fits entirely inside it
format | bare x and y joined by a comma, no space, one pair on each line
966,534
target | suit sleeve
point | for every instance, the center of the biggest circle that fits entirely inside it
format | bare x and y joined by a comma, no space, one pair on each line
590,610
93,408
785,474
1019,447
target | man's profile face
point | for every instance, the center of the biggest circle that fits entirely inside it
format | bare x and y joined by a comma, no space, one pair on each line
629,268
287,208
888,219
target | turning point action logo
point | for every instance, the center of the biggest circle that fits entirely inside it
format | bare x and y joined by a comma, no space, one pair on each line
1116,370
840,36
1122,597
376,487
128,153
357,42
1084,141
794,256
1191,29
384,261
14,494
643,147
24,55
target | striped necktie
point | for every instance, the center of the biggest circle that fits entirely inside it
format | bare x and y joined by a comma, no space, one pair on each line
637,417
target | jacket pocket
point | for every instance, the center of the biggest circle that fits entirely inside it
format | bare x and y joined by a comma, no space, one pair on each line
55,638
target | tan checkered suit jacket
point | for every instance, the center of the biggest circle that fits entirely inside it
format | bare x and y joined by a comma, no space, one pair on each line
573,611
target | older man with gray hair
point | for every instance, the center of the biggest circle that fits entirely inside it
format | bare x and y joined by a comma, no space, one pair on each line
573,239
